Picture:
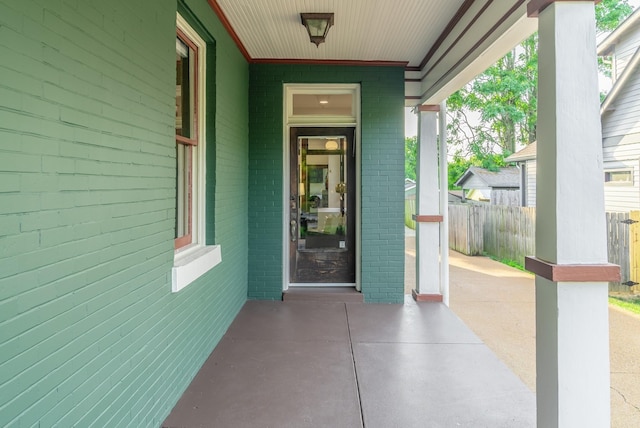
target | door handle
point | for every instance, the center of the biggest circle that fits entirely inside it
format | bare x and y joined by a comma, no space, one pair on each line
293,230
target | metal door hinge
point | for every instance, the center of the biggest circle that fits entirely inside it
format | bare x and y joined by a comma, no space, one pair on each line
629,221
629,283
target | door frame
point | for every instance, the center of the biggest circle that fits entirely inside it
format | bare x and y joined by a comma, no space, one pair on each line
290,121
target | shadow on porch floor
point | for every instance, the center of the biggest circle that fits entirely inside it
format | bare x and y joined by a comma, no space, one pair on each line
308,364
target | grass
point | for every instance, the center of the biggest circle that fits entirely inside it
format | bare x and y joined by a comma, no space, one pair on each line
629,303
508,262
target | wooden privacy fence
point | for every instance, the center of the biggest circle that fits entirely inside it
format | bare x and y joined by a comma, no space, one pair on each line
466,224
508,233
504,232
623,249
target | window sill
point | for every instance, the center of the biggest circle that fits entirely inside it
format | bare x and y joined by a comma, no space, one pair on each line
619,184
190,264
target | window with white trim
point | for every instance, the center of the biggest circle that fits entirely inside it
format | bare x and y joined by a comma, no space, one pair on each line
619,177
187,138
192,257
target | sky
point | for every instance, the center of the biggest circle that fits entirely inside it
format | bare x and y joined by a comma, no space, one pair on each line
411,120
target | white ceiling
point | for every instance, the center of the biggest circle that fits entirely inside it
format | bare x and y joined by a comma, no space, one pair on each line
457,37
365,30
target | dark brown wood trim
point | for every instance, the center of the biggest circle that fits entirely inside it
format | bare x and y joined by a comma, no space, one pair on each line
429,107
427,218
227,25
536,6
182,241
412,97
479,42
447,30
412,68
413,80
460,36
348,62
426,297
573,273
185,140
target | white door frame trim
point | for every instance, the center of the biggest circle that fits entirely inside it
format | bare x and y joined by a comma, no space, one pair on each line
318,121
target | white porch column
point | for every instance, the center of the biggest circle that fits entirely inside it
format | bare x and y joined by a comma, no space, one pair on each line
572,338
428,215
444,205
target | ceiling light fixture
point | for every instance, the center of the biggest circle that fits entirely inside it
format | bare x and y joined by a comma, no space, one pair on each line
317,25
331,145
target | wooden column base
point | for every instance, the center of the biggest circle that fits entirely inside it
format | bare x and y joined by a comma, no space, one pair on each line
426,297
572,273
427,218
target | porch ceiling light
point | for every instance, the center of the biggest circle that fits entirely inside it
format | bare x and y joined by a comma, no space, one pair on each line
331,145
317,25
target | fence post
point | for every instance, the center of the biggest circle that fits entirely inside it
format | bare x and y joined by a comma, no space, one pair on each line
634,250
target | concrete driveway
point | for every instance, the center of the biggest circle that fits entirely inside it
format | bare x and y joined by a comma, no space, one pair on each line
497,302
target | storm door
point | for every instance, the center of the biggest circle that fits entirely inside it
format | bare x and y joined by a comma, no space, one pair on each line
322,206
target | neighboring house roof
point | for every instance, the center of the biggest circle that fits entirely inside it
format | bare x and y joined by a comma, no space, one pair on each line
455,195
528,153
508,177
606,48
409,184
620,82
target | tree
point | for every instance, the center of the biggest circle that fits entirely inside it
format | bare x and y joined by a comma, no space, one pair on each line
610,13
410,157
497,111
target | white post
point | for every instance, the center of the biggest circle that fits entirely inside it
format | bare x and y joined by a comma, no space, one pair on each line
444,206
427,206
572,338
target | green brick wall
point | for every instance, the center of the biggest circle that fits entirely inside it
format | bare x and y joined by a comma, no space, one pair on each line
382,192
90,334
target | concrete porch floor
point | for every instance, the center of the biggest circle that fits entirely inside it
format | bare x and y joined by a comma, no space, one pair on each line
309,364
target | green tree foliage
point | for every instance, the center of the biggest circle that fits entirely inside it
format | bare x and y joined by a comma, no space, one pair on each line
410,157
497,112
610,13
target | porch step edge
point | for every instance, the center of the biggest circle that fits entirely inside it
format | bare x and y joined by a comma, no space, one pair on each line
320,294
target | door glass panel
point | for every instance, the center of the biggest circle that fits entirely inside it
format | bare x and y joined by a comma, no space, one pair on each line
322,206
322,193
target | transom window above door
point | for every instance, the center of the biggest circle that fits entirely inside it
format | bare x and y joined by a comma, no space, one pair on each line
321,103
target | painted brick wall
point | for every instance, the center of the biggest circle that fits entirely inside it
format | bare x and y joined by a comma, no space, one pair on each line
382,193
90,334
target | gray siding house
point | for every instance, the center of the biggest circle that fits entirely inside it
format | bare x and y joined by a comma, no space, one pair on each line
496,187
620,112
525,159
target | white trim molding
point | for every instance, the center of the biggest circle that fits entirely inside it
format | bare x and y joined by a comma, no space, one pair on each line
290,120
193,261
191,265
